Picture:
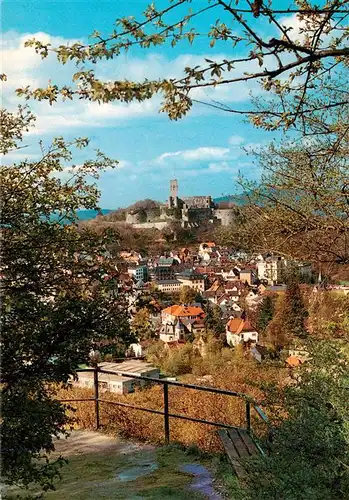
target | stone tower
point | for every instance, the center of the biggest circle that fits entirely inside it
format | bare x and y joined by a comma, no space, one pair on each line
174,188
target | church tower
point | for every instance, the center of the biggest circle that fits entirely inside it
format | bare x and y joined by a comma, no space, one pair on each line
174,188
173,198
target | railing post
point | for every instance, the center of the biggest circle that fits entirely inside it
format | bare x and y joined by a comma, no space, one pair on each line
166,416
95,378
248,416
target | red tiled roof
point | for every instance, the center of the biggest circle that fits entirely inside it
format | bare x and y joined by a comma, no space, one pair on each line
183,311
238,325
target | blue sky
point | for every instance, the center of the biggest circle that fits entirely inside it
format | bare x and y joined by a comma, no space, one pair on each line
204,151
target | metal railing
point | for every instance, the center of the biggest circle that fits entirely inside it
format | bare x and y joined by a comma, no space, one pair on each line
249,402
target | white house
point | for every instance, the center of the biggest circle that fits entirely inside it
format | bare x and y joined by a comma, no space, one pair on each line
168,286
206,249
253,299
271,268
239,330
179,322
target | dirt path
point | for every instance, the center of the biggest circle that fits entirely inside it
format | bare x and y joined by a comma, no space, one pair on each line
106,467
83,442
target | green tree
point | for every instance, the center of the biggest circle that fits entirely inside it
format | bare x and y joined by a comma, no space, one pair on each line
265,313
157,354
179,361
59,296
187,295
213,320
294,312
288,323
141,325
309,458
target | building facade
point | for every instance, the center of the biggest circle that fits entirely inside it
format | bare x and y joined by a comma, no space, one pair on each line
115,382
179,322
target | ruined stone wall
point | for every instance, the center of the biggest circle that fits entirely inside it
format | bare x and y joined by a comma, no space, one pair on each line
153,214
136,217
225,216
198,201
197,214
152,225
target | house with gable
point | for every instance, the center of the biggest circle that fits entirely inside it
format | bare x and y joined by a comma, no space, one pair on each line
240,330
180,322
215,291
233,289
229,307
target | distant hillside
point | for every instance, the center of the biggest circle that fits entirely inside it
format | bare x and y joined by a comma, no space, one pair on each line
85,214
238,199
91,214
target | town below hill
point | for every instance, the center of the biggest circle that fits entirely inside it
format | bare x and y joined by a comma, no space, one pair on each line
209,315
191,302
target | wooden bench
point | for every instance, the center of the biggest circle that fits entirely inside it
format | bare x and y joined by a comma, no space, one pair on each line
237,444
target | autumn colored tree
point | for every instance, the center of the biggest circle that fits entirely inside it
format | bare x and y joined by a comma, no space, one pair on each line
299,208
213,320
187,295
141,325
59,296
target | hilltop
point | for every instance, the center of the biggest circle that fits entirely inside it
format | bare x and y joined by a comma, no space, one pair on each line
120,213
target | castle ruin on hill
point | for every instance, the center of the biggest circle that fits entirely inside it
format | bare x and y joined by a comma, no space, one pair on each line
189,211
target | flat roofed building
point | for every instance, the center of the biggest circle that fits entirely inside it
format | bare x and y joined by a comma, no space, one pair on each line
118,383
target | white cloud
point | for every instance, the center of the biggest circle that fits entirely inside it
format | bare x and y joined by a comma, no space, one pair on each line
198,154
217,167
24,67
124,164
236,140
299,28
17,156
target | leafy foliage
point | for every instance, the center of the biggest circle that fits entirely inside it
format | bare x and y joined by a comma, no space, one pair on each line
288,64
309,457
58,297
213,319
300,207
288,323
187,295
141,325
265,313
